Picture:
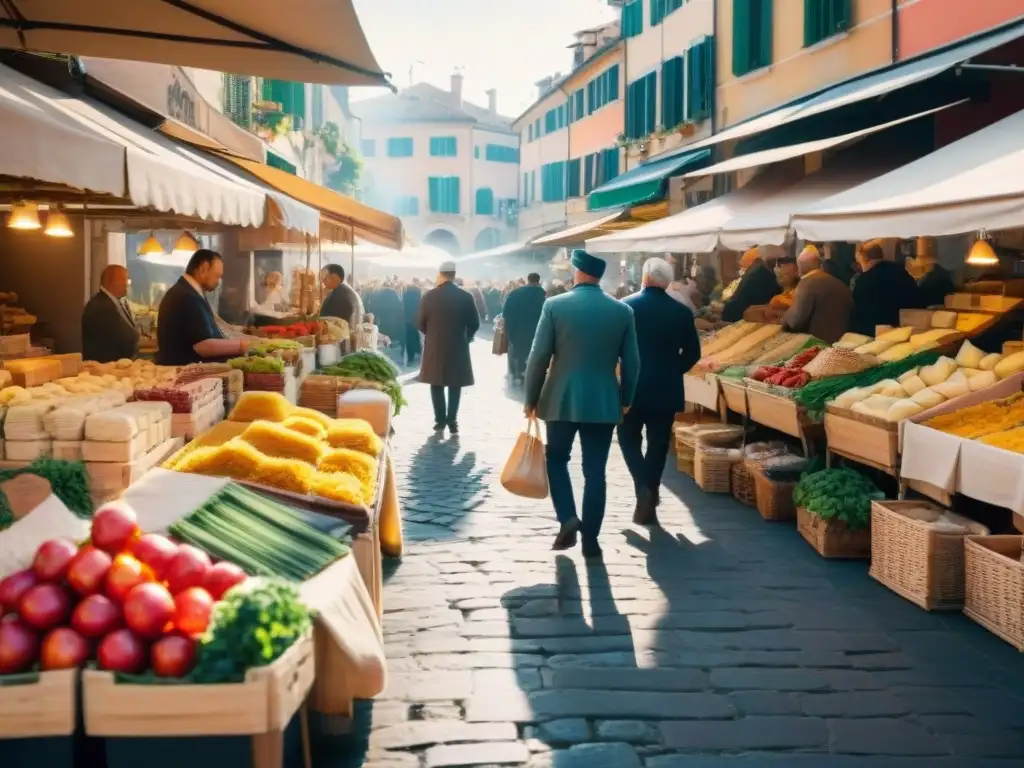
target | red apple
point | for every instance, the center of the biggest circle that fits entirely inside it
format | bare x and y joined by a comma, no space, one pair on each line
14,587
148,610
173,656
96,616
53,558
114,527
156,551
125,574
188,569
63,648
45,606
18,645
222,577
88,571
193,609
121,651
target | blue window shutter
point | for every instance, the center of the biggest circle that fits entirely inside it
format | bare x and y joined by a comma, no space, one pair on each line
484,202
613,83
741,34
765,39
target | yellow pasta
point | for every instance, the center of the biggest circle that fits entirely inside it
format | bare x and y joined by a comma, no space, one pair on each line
310,413
361,465
338,486
261,406
305,426
278,441
235,459
355,434
285,474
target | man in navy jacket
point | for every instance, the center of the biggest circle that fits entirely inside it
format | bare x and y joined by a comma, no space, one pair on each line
669,347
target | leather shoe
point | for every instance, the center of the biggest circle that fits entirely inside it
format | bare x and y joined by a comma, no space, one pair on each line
591,549
566,538
646,512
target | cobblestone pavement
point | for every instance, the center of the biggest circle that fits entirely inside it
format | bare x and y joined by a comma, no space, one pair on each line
721,640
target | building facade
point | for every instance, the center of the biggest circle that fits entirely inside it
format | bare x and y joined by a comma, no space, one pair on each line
448,168
923,25
570,136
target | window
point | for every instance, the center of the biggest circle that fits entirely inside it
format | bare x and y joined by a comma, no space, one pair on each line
292,98
572,178
526,189
700,80
533,186
484,202
497,153
476,153
399,147
552,182
633,18
551,121
672,92
824,18
536,129
368,147
641,107
444,194
576,106
751,35
443,146
407,205
662,8
599,168
529,132
603,89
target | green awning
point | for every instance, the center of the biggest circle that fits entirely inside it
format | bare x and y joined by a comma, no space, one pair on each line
645,183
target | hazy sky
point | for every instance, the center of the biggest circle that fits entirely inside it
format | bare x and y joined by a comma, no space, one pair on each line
503,44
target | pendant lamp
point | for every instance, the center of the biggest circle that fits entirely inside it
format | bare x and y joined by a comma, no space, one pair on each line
24,215
151,247
982,253
186,244
57,224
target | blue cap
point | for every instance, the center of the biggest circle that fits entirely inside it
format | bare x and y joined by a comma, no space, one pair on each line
590,265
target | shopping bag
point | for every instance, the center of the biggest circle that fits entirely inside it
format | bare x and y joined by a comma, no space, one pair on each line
499,344
525,473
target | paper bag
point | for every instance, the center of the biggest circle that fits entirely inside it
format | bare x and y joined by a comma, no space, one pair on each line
499,344
525,473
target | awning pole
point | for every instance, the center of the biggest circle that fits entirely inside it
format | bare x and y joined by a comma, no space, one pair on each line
309,255
352,246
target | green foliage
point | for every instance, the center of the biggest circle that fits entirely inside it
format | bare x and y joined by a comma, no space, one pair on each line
838,494
330,135
68,479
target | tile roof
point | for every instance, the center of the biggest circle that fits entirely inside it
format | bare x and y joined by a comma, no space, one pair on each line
426,103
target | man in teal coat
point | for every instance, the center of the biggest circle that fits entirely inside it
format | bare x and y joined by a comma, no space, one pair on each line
571,384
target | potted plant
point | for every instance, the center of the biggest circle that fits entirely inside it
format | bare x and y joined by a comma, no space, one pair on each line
686,129
623,141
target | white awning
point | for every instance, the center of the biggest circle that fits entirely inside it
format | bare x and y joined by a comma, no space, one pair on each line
972,184
304,41
871,86
768,222
779,154
577,234
695,230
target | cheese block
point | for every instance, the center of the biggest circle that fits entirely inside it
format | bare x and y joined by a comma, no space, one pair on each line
118,425
108,451
67,450
969,356
876,347
989,362
33,373
27,450
896,335
5,378
943,319
25,422
897,352
852,341
70,362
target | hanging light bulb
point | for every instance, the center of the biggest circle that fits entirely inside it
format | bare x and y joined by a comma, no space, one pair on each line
982,254
186,244
24,215
57,224
151,247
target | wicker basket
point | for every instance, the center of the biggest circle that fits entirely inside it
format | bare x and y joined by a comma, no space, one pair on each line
685,455
774,498
712,468
832,539
686,436
743,488
916,560
994,593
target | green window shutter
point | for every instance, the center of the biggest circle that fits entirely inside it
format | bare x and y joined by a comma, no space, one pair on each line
741,36
651,103
484,202
572,178
456,201
824,18
434,194
765,31
672,110
400,147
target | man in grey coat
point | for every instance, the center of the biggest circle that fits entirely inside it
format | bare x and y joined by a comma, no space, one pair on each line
571,384
448,319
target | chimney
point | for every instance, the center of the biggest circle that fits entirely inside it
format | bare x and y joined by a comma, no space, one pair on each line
492,101
457,79
544,85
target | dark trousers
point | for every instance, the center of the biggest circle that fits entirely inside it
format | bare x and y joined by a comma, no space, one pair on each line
517,360
595,442
445,414
646,469
412,342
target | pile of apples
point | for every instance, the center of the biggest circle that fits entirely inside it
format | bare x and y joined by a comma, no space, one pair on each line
130,601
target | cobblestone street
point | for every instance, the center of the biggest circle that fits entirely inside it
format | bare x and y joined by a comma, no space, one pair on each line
719,640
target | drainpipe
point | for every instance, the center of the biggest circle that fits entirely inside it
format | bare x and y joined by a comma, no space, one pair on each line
895,26
714,36
568,153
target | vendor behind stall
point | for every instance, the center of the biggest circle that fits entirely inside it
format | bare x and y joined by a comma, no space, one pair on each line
821,303
880,291
187,330
342,302
757,286
108,326
934,281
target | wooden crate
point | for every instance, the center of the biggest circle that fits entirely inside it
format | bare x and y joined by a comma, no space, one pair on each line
915,560
858,436
264,703
110,479
774,499
994,585
832,539
776,412
983,302
38,704
734,393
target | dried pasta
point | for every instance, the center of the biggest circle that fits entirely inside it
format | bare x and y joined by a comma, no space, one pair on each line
355,434
338,486
305,426
261,406
280,442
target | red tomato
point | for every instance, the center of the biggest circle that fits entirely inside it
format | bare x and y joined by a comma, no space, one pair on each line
188,569
222,577
173,656
18,645
125,574
14,587
88,571
156,551
148,610
121,651
53,559
45,606
194,607
63,648
114,527
96,616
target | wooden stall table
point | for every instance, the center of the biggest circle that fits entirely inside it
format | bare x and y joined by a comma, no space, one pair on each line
864,439
783,414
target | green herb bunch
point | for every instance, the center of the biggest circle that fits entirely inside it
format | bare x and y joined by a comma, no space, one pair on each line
838,494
